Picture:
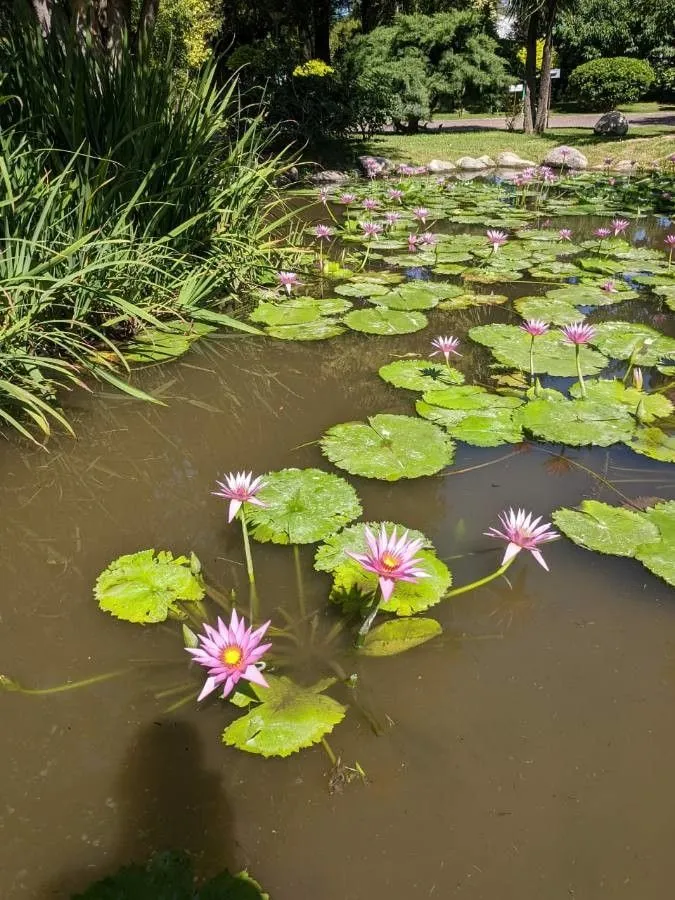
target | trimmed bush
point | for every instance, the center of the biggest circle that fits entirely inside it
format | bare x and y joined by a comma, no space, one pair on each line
604,84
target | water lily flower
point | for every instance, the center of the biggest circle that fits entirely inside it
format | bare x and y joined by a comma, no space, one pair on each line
323,196
578,333
602,233
609,287
370,204
547,174
669,241
323,231
405,169
446,345
288,280
395,194
239,488
619,226
391,558
535,327
496,238
392,218
421,213
347,199
522,532
565,234
429,239
419,170
229,653
413,241
638,379
370,229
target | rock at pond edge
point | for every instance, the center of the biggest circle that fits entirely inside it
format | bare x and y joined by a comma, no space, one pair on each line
565,157
612,123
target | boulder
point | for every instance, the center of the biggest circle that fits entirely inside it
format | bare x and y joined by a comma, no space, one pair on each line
440,166
469,164
329,176
489,162
566,158
612,123
509,160
380,165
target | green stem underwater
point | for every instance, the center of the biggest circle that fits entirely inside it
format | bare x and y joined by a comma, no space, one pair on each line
368,621
481,581
299,580
247,546
9,684
582,386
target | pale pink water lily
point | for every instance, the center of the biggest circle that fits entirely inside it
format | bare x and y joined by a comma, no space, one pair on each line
429,239
421,213
392,218
496,238
578,333
619,226
370,204
239,488
609,287
669,241
391,558
395,194
322,232
602,233
405,169
229,653
522,532
638,378
370,229
347,199
565,234
288,280
547,174
535,327
413,242
323,195
445,344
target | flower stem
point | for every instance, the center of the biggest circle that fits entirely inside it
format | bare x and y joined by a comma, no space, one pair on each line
582,386
331,755
300,582
247,546
532,360
481,581
9,684
368,621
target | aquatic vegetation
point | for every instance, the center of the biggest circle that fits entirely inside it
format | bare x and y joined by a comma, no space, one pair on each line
496,238
522,531
447,345
535,328
241,488
578,334
288,280
230,652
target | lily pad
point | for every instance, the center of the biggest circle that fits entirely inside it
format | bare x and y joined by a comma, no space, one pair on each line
302,506
467,300
287,719
399,298
399,635
316,330
628,340
420,374
646,407
591,295
361,289
607,529
408,598
298,310
388,447
654,443
473,415
381,320
511,347
659,556
144,588
577,422
333,552
548,309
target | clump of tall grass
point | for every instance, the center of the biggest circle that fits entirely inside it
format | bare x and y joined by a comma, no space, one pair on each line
127,202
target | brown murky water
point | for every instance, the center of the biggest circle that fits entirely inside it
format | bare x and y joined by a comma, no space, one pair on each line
526,754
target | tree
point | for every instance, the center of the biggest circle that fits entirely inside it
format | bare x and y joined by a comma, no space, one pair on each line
107,22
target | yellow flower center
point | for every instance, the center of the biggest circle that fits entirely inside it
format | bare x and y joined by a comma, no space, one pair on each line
389,561
231,656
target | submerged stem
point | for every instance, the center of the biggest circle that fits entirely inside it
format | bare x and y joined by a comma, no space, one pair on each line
532,360
481,581
299,581
582,386
368,621
247,546
11,685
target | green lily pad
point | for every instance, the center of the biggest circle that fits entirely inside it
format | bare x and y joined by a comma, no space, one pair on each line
667,293
352,580
607,529
298,310
317,330
399,298
144,588
467,300
654,443
511,347
399,635
381,320
361,288
420,374
473,415
302,506
646,407
288,718
154,345
628,340
659,556
577,422
591,295
556,312
332,553
388,447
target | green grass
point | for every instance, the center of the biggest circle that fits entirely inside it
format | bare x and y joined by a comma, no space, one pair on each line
644,144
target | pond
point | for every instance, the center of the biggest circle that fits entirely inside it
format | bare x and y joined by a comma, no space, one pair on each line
523,752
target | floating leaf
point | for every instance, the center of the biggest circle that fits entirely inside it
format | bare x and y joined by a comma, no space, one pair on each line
577,422
317,330
408,598
155,345
511,347
333,552
388,447
408,297
548,309
361,288
646,407
628,340
653,442
466,300
303,506
380,320
298,310
399,635
607,529
659,556
420,374
591,295
144,588
288,719
473,415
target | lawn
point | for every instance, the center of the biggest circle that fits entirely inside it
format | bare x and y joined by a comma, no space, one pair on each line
644,144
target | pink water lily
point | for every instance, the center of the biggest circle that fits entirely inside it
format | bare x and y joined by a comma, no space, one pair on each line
395,194
322,232
370,229
323,195
565,234
445,344
392,218
619,226
602,233
288,280
370,204
229,653
496,238
239,488
609,287
669,241
535,327
421,213
578,333
638,378
429,239
522,532
347,199
391,558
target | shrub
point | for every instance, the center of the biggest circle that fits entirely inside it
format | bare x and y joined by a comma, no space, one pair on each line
604,84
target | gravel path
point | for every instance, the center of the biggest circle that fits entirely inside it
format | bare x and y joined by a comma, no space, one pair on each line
574,120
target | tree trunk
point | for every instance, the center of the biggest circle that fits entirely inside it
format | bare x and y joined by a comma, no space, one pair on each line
541,121
321,14
146,20
530,103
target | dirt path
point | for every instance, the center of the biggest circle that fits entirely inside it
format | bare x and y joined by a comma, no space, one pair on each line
574,120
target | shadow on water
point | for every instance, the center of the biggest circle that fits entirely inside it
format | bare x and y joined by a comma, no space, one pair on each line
167,800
